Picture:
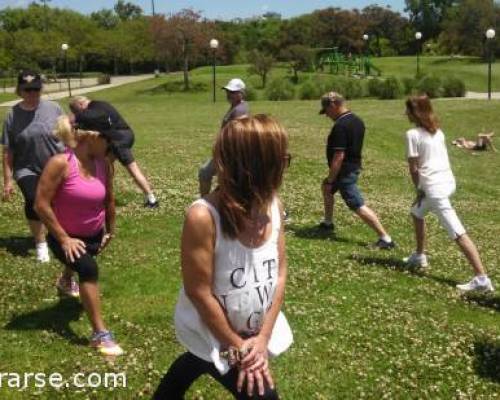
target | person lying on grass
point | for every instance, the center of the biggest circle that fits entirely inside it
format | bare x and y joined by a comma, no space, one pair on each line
482,142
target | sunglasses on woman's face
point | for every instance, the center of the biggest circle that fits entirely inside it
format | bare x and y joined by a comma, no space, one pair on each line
288,159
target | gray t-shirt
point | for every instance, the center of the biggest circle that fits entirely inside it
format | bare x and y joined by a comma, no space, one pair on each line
240,110
28,136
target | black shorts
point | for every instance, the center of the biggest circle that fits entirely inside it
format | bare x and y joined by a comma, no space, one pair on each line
121,142
28,185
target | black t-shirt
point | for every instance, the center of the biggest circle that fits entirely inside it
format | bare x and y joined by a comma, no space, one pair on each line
103,116
347,134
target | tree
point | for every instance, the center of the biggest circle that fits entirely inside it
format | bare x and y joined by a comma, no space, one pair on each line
105,18
184,36
261,64
127,11
426,16
465,26
299,58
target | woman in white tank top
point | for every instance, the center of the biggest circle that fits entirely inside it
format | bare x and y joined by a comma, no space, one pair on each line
234,268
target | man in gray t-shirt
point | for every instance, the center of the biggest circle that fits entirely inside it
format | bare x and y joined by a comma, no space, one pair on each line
27,137
235,92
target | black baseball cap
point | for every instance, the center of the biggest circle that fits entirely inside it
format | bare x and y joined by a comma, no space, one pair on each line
28,79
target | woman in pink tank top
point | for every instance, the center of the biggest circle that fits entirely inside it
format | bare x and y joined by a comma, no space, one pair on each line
75,201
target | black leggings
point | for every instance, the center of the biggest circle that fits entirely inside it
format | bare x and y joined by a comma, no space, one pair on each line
28,186
187,368
86,265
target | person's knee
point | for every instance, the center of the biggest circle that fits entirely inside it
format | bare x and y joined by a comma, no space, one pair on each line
29,211
87,269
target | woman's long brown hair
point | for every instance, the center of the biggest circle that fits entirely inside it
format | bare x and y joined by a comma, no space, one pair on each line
250,156
419,109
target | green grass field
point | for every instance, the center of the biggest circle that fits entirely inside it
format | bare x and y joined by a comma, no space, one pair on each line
364,326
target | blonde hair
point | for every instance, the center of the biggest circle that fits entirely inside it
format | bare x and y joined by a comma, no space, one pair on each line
69,135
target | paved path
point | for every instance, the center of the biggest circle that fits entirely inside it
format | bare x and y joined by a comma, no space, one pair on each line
482,96
115,81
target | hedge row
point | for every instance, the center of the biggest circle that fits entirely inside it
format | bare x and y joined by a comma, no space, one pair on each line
389,88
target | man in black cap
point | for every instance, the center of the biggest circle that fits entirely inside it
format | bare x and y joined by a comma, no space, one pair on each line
343,153
103,117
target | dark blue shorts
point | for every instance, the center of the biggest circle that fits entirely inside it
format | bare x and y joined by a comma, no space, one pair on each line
348,188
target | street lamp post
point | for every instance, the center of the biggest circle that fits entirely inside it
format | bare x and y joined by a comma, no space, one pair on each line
490,35
366,64
418,37
64,48
214,44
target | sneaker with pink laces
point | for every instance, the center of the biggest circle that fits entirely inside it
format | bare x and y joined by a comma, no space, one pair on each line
68,287
105,344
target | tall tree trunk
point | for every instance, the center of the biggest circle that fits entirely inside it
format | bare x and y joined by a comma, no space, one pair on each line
115,65
264,78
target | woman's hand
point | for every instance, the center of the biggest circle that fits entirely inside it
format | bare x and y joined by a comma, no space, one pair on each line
255,379
105,241
8,190
257,355
73,248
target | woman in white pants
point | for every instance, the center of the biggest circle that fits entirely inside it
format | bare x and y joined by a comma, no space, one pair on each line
434,181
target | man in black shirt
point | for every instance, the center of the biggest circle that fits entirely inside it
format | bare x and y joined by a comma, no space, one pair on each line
343,153
103,117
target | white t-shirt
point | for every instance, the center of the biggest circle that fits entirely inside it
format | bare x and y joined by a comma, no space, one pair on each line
435,176
244,283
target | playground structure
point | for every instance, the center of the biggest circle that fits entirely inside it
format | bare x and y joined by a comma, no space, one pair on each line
339,63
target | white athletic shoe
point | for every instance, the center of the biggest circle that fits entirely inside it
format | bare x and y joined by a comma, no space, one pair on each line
42,253
416,260
480,284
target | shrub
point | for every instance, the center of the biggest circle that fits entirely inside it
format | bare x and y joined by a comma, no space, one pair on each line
353,89
104,79
311,90
390,89
453,87
280,89
409,85
337,84
375,87
430,85
250,93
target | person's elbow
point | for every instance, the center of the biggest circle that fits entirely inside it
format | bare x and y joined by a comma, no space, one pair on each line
197,293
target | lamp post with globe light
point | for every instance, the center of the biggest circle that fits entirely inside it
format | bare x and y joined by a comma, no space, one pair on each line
64,48
490,35
366,64
214,44
418,37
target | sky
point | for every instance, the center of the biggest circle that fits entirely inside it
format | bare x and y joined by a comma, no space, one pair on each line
220,9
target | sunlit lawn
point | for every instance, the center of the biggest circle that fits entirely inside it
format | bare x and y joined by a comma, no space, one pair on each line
364,325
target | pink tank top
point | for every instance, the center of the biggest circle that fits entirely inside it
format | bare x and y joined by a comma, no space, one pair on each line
79,202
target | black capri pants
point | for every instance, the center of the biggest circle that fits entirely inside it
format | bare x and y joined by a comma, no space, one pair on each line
187,368
86,265
28,185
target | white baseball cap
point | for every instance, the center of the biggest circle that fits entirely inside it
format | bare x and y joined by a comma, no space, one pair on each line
235,85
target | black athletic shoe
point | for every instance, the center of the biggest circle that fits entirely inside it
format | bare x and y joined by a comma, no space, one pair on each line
326,227
149,204
383,245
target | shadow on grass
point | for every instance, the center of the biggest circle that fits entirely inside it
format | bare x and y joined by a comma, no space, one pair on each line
175,87
487,360
55,318
481,300
314,232
17,245
399,265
